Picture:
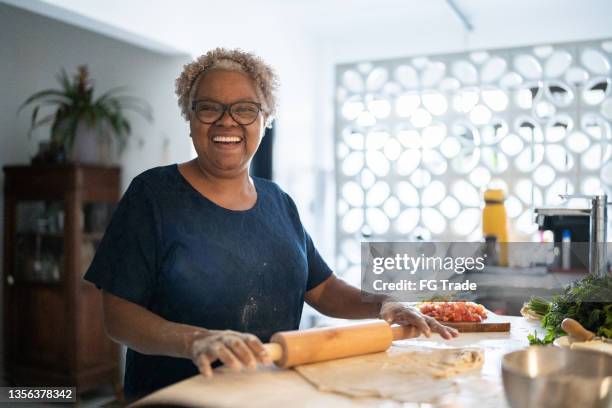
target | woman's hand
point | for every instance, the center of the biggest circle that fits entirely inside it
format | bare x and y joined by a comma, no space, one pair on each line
235,350
396,312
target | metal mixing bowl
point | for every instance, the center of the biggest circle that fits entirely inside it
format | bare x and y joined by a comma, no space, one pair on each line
542,377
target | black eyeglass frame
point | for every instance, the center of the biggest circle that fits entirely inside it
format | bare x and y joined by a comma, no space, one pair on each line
226,108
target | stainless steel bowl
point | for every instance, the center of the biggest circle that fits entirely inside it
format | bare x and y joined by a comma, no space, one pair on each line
542,377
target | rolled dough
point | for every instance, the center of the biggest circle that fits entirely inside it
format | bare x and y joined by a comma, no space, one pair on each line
415,375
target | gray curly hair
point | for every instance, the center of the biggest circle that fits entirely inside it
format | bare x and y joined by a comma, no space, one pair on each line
262,75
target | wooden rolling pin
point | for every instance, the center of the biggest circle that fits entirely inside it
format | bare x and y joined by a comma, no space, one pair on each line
291,348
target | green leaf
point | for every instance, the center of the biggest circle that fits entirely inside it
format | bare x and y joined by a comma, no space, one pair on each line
605,332
534,340
109,94
45,96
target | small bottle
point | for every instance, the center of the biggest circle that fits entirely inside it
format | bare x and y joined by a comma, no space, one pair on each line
566,243
495,222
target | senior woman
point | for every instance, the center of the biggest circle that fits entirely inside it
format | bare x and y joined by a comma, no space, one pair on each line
201,262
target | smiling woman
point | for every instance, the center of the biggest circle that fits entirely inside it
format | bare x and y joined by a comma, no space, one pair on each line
226,124
202,262
228,97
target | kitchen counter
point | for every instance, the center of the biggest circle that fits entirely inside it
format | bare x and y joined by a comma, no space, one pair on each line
274,387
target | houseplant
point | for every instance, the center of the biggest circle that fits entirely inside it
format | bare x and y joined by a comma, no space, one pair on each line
83,128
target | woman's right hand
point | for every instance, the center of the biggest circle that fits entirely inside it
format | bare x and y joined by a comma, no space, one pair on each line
235,350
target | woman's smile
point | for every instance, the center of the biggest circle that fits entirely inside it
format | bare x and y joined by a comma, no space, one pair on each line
227,143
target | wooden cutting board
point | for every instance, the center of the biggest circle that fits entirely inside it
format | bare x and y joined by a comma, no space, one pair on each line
493,323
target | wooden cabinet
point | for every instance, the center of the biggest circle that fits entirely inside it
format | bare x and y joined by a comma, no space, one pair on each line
54,217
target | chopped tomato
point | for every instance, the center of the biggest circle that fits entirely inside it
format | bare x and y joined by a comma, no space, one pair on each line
454,311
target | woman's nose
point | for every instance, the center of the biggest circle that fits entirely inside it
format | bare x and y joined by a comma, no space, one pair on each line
226,119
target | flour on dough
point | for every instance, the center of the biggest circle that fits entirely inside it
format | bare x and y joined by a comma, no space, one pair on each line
414,375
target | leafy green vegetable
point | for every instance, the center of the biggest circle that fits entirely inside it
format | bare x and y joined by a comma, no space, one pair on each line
588,300
538,306
534,340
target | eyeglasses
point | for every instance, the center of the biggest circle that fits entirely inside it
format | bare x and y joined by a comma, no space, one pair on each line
208,112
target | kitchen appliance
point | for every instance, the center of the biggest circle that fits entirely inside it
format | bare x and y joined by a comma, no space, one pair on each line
586,225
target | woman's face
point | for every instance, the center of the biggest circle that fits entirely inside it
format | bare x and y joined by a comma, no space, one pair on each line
216,154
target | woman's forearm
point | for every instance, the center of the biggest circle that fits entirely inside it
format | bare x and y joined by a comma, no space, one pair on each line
146,332
336,298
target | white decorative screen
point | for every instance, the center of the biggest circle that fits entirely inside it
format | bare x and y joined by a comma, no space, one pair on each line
418,140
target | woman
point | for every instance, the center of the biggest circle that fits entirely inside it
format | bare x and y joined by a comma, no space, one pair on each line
201,263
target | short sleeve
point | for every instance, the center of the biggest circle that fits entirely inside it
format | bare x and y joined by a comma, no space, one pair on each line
125,263
318,270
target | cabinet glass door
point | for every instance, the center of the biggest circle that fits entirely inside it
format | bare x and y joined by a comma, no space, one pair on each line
39,241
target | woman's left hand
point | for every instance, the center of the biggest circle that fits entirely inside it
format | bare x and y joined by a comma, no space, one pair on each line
400,313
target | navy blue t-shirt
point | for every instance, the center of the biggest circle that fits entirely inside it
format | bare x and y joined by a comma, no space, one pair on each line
171,250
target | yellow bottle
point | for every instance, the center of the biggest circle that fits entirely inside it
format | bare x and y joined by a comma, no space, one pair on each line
495,222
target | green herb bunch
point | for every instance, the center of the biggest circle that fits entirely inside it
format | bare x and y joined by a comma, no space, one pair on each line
588,300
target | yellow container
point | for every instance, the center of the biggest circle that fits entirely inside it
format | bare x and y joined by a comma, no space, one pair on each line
495,222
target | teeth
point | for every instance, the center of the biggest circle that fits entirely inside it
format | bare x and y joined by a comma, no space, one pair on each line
226,139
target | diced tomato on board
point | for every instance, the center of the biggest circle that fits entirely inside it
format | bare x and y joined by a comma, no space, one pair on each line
454,311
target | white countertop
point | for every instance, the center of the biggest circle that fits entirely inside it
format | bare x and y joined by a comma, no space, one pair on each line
274,387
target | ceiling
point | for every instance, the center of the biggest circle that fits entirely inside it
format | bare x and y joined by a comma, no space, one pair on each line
366,26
